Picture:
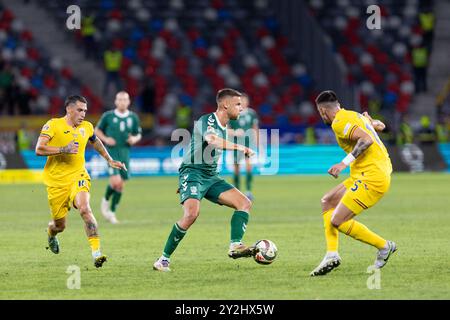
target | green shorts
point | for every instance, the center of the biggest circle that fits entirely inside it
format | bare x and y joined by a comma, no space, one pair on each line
195,184
123,174
120,155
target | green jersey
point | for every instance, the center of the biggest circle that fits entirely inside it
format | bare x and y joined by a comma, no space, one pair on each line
247,119
200,155
119,126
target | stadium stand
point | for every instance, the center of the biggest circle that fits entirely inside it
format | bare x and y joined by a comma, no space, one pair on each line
31,81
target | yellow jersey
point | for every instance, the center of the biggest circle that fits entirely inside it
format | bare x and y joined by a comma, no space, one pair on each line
374,163
64,169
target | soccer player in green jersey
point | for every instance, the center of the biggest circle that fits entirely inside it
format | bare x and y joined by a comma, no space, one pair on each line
245,129
119,129
198,178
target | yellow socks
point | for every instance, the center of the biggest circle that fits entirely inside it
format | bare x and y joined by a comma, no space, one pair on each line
360,232
352,228
94,242
331,233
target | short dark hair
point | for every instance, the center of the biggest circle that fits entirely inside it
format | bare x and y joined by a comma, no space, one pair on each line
74,99
227,92
326,96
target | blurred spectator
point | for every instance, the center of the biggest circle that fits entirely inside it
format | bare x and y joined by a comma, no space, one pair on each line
420,63
442,131
87,32
427,19
405,134
426,134
113,63
443,101
310,136
6,81
24,137
183,117
148,97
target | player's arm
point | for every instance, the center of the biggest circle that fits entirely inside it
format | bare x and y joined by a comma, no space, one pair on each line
100,148
132,140
43,149
103,137
376,124
220,143
363,142
236,132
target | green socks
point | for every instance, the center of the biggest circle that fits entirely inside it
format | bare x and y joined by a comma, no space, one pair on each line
236,181
115,200
249,181
174,239
239,222
109,192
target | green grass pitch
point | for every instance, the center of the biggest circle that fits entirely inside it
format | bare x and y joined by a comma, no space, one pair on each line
415,214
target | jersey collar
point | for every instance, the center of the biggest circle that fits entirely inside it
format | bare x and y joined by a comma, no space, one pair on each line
218,122
122,115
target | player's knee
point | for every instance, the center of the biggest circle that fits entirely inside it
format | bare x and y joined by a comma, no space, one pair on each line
246,205
325,203
191,214
335,222
60,226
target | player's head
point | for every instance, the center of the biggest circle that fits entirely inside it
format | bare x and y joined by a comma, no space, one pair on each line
122,101
230,101
327,104
76,108
245,101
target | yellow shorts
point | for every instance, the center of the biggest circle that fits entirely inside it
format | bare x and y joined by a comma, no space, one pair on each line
360,194
61,199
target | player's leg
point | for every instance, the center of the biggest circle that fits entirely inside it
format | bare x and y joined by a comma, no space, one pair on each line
118,184
237,175
235,199
191,210
58,199
354,201
328,203
55,227
81,202
249,178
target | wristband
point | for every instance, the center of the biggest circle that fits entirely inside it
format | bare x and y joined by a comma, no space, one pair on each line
348,159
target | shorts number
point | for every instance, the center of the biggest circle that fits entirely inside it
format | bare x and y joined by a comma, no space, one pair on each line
81,183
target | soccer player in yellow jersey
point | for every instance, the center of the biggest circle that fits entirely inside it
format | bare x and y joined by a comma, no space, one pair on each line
63,141
370,178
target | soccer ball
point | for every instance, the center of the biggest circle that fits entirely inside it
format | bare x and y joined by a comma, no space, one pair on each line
266,251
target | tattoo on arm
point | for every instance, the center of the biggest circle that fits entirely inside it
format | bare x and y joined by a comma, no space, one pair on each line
91,229
100,148
361,146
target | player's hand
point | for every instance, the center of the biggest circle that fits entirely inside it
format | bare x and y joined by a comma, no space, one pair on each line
71,148
366,114
336,169
249,152
376,124
110,141
131,140
117,165
239,132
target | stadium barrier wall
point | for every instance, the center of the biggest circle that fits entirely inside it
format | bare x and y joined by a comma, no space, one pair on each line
292,159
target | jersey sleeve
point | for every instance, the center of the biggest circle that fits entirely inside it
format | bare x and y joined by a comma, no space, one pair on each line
136,126
344,128
206,126
48,130
102,123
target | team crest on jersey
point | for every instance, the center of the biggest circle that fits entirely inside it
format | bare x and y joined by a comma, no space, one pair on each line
194,191
115,120
82,132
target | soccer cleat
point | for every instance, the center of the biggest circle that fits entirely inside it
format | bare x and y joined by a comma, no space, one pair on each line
99,259
241,251
161,265
384,254
112,218
328,263
104,208
53,244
